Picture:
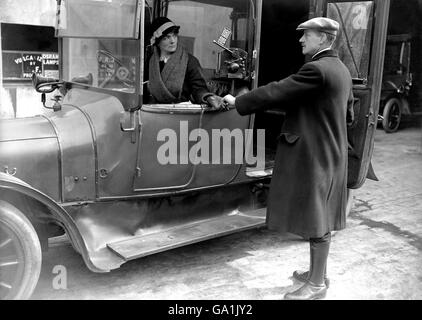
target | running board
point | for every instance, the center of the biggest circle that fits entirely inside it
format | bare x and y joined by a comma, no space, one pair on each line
140,246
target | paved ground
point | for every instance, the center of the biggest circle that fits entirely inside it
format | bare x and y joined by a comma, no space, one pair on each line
378,255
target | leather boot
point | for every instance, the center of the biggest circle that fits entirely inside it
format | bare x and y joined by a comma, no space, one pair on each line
303,276
314,287
309,291
319,248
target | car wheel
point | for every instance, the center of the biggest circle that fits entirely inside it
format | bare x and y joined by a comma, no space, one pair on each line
20,254
392,115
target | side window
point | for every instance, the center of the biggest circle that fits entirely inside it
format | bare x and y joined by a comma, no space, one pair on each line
353,43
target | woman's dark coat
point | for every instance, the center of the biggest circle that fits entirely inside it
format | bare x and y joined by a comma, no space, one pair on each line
194,87
308,188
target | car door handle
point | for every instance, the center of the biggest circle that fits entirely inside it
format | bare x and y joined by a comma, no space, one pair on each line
132,121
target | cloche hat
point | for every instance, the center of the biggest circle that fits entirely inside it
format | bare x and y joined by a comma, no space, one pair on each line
160,27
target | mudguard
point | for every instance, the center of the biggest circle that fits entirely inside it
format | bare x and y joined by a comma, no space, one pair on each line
8,182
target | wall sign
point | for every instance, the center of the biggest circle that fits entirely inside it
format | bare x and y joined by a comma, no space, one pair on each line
20,65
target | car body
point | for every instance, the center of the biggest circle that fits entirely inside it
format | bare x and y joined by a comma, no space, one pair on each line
93,167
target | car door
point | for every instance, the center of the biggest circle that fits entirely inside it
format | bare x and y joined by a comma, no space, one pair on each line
361,46
186,146
163,153
224,143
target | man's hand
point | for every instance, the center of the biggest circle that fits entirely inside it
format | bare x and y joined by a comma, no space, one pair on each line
230,100
216,103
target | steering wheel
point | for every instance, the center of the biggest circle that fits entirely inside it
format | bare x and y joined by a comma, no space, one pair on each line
119,69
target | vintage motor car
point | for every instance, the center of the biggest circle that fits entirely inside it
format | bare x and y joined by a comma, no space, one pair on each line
397,82
92,167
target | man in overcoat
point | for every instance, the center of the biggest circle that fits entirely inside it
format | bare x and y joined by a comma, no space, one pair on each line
308,188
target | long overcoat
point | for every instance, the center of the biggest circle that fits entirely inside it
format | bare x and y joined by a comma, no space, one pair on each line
308,188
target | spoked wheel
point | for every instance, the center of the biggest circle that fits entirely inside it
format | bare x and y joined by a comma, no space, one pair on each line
20,254
392,115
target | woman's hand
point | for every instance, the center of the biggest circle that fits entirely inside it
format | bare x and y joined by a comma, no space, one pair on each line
216,103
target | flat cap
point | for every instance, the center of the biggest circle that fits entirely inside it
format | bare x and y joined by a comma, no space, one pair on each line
322,24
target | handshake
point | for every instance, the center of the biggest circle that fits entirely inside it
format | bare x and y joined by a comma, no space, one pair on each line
217,103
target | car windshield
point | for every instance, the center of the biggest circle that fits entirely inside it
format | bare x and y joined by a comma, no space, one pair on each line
397,55
99,46
353,43
97,18
102,63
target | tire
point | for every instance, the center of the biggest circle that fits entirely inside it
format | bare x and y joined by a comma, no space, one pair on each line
392,115
20,254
